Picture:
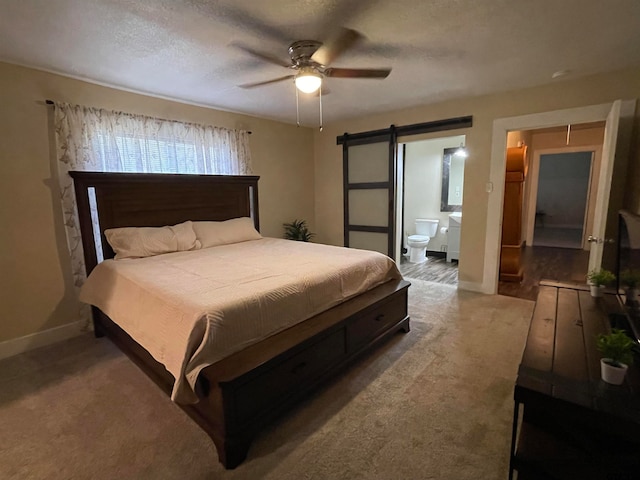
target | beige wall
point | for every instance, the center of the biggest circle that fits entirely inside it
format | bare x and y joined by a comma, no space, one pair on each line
301,174
485,109
35,286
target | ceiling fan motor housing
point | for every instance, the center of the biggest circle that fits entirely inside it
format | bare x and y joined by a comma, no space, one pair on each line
302,50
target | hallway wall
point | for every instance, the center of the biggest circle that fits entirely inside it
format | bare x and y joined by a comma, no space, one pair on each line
563,185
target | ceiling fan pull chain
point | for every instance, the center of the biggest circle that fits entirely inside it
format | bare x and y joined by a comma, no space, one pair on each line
297,110
320,97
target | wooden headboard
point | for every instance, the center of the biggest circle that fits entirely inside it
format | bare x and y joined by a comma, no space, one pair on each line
155,200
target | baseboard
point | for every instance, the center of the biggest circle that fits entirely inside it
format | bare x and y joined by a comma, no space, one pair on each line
511,277
15,346
472,287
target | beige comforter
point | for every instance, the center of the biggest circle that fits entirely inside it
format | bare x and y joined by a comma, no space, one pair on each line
191,309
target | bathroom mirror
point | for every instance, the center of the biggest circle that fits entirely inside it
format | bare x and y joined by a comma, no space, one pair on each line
452,181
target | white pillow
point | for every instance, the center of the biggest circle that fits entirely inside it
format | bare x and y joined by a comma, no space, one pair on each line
136,242
211,234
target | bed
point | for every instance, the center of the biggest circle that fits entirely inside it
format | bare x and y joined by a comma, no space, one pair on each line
238,394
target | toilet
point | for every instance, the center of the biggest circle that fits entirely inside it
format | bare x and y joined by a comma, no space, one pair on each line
425,229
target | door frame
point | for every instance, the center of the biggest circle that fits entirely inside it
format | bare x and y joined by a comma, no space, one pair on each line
495,184
534,172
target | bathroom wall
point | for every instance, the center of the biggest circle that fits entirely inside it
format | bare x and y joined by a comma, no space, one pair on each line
423,185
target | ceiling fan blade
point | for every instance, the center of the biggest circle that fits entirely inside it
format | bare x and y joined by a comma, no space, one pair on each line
357,72
336,46
266,82
261,55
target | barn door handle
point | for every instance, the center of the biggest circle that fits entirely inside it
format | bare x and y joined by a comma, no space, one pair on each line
599,241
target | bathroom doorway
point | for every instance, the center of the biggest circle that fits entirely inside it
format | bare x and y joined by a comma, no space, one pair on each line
429,208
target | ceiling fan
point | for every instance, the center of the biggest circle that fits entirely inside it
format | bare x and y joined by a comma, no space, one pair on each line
312,59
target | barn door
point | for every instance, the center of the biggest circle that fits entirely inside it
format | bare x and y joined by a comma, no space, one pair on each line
369,176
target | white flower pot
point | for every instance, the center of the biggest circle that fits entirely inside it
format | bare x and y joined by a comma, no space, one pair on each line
612,374
596,290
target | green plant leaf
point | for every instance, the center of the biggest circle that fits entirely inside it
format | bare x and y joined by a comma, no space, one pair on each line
297,230
600,277
617,346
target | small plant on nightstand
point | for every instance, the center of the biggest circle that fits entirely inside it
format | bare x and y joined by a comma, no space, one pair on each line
598,279
617,350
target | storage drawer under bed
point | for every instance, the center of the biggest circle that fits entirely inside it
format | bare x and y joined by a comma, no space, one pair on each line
366,327
262,392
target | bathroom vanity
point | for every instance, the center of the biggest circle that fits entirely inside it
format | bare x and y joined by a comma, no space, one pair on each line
453,236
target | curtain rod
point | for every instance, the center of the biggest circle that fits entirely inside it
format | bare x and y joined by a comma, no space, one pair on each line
51,102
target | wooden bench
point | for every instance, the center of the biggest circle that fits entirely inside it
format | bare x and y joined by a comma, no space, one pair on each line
568,423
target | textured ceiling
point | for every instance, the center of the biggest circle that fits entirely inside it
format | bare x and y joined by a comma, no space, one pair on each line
438,49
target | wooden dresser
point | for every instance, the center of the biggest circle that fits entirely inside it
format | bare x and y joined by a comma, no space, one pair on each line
510,264
568,423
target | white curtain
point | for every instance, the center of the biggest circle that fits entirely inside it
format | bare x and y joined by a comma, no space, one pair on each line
99,140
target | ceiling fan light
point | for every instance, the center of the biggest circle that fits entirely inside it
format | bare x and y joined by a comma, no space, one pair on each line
308,81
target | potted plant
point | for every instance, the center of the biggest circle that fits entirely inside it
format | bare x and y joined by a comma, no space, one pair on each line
631,281
617,350
297,230
598,279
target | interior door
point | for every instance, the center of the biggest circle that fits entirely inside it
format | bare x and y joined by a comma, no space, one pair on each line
369,173
597,238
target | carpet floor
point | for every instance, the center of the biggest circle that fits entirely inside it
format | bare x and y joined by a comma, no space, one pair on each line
435,403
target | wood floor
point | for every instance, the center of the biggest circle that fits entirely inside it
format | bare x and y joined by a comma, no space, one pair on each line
567,265
557,237
433,270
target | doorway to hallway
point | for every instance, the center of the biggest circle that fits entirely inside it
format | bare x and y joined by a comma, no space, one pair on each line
615,114
561,206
